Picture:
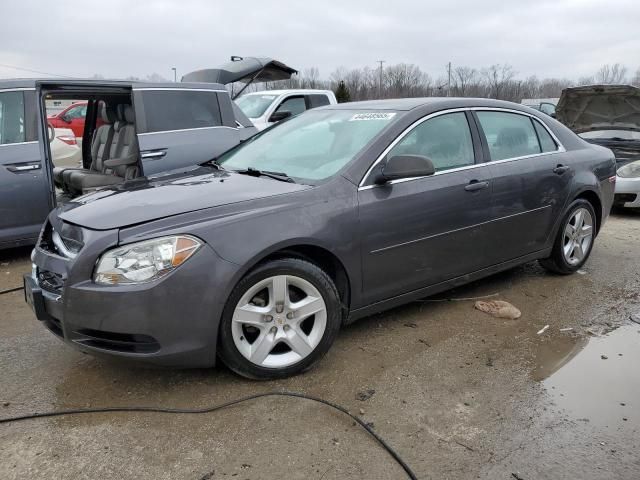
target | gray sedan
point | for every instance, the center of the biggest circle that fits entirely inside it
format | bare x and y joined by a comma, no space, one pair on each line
259,257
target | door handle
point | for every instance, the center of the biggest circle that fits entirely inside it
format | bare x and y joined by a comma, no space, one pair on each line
560,169
16,168
475,185
153,154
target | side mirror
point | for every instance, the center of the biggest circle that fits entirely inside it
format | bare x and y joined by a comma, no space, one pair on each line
405,166
65,119
280,115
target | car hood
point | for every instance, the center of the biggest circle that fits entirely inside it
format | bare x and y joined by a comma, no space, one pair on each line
600,107
144,199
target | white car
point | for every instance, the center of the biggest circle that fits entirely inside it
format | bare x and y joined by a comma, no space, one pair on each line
65,150
628,185
609,115
268,107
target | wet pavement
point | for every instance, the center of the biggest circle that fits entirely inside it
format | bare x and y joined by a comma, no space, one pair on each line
459,394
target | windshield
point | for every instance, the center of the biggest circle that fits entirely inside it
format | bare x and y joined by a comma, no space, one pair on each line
309,147
611,134
253,106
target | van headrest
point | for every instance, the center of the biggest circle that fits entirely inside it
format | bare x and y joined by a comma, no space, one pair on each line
129,117
107,113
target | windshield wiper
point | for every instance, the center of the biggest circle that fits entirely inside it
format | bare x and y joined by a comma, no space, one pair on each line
254,172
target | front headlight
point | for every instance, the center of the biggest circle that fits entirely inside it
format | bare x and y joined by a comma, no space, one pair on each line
630,170
146,261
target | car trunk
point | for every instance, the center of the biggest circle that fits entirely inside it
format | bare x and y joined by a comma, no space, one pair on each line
245,70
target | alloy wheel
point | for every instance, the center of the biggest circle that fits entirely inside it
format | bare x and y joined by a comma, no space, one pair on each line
279,321
578,235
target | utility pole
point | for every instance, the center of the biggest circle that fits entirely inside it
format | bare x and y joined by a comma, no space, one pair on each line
449,79
381,62
175,74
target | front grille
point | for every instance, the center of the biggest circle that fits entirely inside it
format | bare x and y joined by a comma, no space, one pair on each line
119,342
50,281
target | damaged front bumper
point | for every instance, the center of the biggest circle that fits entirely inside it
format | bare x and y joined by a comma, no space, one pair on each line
165,322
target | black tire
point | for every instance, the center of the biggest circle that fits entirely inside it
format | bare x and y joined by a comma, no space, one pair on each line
228,351
556,262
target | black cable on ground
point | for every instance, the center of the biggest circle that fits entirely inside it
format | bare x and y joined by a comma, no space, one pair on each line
214,408
17,289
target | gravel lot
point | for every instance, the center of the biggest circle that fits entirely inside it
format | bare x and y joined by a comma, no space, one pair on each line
457,393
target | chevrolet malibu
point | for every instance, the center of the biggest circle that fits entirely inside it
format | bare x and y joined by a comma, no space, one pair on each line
259,256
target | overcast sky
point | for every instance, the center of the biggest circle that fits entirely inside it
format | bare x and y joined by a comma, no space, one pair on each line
118,38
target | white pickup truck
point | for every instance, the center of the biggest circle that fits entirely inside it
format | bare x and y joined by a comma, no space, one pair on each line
267,107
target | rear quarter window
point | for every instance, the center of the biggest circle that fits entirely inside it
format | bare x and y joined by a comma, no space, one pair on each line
547,143
318,100
167,110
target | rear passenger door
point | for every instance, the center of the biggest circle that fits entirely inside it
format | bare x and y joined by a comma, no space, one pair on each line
25,195
530,182
180,127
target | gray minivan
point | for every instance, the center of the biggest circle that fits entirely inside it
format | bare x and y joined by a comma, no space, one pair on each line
132,129
154,127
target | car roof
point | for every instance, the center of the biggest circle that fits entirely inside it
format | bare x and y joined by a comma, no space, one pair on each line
19,83
291,90
436,103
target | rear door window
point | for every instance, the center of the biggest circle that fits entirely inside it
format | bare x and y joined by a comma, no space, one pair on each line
295,105
317,100
445,140
509,135
12,126
166,110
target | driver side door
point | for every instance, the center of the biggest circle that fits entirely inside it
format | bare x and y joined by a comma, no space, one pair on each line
422,231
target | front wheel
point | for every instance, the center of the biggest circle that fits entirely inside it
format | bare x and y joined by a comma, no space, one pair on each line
279,320
574,239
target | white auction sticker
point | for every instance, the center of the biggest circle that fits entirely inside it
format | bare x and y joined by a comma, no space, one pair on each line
372,116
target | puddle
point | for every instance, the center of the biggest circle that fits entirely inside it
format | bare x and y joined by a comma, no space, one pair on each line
604,391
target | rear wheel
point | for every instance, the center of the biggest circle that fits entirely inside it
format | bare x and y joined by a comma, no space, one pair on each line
574,239
279,320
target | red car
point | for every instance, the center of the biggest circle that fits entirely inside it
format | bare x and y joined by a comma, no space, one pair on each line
73,118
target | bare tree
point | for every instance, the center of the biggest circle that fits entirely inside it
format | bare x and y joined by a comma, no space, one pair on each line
586,80
403,80
610,74
497,77
407,80
310,78
462,78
